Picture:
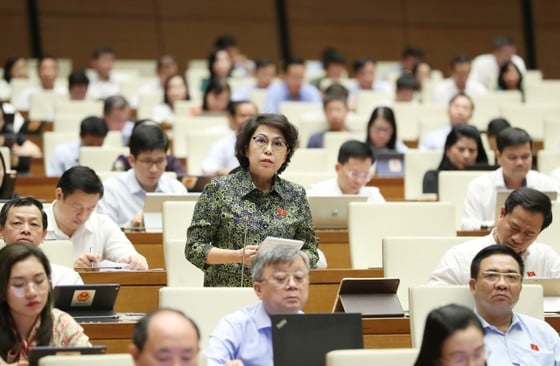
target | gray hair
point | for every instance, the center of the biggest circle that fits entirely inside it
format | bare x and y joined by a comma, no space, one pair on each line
275,255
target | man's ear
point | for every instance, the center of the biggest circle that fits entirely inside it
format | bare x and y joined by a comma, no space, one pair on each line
258,289
472,285
131,160
58,194
134,352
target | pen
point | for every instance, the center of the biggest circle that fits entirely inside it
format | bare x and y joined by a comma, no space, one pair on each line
91,262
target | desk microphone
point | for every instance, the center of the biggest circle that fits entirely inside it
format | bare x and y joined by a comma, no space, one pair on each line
246,220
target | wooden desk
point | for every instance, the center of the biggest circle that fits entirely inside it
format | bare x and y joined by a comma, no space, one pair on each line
139,289
392,189
116,336
41,188
150,245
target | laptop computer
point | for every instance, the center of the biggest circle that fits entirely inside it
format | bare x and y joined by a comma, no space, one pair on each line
372,297
551,292
389,164
331,212
88,303
37,352
502,194
153,205
305,339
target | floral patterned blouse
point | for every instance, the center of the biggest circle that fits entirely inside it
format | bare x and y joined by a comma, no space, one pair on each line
230,207
66,332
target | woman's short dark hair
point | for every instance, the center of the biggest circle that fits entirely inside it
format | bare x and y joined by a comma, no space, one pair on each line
454,135
387,114
441,323
9,256
9,65
247,129
215,86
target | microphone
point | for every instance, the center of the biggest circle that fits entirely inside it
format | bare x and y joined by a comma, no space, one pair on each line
246,221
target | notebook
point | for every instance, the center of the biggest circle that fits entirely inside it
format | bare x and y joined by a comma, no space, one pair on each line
305,339
37,352
88,303
389,164
153,205
331,212
501,196
372,297
551,292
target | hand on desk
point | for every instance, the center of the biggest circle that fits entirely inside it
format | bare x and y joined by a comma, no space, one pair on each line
137,220
86,260
135,262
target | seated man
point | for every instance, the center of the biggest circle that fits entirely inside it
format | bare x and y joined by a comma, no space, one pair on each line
292,88
93,131
458,81
515,158
336,110
165,336
281,281
512,338
116,113
527,212
103,82
460,111
125,194
265,72
221,159
78,83
406,87
22,220
94,236
353,171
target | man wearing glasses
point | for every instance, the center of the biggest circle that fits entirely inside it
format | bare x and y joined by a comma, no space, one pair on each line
513,339
527,212
281,281
353,171
125,194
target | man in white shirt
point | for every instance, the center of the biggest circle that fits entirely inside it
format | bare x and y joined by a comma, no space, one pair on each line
460,112
486,68
102,82
22,220
525,214
47,70
515,157
221,158
458,81
513,339
124,196
94,236
353,171
93,131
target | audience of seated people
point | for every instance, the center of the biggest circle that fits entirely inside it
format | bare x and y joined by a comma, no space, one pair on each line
265,72
166,66
175,88
458,82
15,67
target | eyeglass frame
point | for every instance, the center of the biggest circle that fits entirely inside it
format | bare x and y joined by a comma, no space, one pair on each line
148,163
511,278
266,143
293,276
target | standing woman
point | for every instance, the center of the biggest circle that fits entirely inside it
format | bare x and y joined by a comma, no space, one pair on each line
453,336
27,317
382,132
238,211
463,148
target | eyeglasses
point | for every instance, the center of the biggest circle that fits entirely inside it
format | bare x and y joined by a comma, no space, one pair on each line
510,278
147,163
460,358
388,131
282,279
262,142
353,174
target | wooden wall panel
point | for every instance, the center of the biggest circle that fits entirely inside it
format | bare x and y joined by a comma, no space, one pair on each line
15,37
547,36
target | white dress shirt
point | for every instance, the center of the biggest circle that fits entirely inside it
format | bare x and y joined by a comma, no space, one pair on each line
435,139
221,155
480,200
61,276
447,89
64,157
330,188
485,69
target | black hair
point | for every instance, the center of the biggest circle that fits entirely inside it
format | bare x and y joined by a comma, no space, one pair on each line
93,126
262,62
501,80
331,56
22,201
408,81
412,51
461,59
215,86
234,104
360,62
496,125
166,85
100,51
247,129
293,61
114,102
354,149
488,251
501,41
532,200
147,135
461,94
225,41
335,89
77,77
334,97
80,178
512,136
387,114
463,130
441,323
212,57
166,60
9,65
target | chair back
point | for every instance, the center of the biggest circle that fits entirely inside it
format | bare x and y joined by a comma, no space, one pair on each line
52,139
109,359
60,252
307,178
198,145
360,357
416,164
400,259
424,299
368,223
309,160
101,158
184,126
42,105
551,139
